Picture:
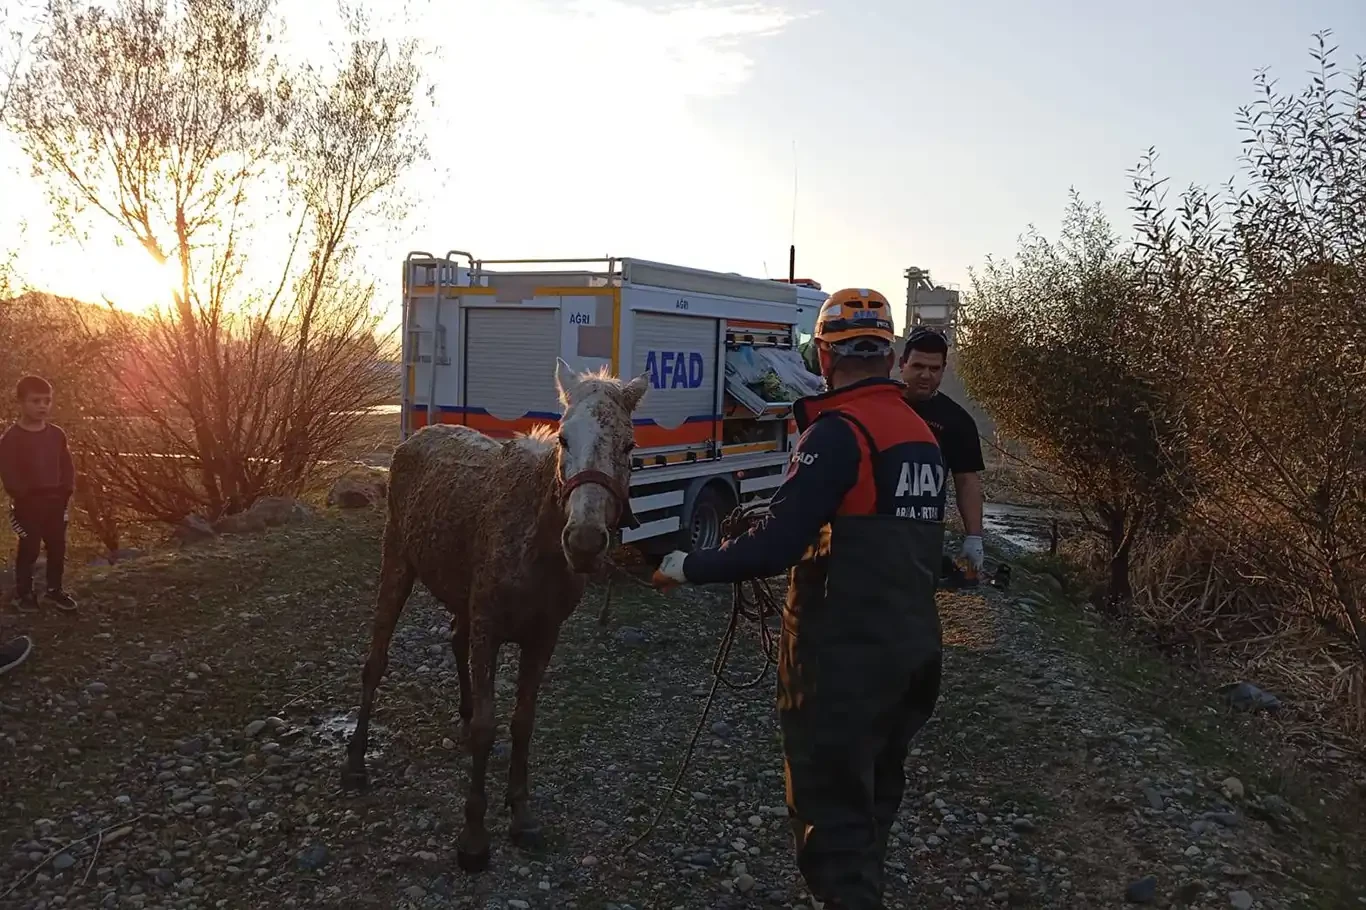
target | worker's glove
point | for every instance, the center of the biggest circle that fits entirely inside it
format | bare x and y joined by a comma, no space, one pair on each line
972,551
670,575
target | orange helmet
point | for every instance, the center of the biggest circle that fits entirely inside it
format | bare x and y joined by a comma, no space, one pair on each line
852,315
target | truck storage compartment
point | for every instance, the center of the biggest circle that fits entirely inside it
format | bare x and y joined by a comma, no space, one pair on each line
762,382
679,354
766,380
510,362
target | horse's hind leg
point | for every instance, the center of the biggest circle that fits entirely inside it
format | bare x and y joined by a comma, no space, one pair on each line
472,847
396,579
524,830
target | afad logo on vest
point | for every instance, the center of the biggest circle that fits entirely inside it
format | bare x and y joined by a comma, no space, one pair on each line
924,482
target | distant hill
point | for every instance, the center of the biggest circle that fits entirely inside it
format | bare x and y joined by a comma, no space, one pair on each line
40,304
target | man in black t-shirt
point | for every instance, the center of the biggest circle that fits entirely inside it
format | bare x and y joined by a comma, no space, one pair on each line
922,369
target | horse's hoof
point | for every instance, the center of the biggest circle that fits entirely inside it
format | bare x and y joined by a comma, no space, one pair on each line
527,838
354,778
472,863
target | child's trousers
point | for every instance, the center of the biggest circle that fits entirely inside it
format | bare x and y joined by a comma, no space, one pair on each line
40,523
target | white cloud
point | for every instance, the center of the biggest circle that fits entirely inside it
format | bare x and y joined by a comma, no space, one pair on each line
568,127
573,128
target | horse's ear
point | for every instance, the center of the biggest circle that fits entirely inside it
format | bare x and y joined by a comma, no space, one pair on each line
565,379
635,390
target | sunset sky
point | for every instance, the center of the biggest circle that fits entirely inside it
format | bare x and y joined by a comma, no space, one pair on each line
926,134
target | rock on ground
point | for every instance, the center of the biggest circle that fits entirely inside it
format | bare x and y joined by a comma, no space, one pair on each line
359,488
178,744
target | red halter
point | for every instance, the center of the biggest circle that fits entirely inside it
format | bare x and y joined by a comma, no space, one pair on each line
624,517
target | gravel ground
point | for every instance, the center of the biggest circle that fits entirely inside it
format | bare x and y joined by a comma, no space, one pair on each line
179,744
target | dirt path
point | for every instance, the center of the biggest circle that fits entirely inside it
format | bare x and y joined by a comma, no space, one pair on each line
195,714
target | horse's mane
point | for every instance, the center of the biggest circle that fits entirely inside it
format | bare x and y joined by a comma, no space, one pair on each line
599,380
543,433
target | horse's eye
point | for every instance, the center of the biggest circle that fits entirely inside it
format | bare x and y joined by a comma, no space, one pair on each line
564,443
628,447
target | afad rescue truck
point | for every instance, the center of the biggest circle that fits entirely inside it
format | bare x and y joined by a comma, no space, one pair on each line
481,337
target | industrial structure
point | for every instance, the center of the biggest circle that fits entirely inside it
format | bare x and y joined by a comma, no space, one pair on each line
930,305
939,307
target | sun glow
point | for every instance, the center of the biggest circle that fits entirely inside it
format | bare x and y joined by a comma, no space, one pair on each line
131,280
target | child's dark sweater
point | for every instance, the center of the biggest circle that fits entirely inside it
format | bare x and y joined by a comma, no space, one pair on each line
36,463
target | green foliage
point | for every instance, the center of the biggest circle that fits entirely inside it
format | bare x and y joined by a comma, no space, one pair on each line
1268,284
1202,388
1058,349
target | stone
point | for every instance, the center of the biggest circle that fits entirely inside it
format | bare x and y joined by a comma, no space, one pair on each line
1246,697
630,635
193,529
1190,891
362,487
315,856
266,512
1142,891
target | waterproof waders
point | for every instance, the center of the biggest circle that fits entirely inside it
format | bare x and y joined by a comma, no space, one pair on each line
859,671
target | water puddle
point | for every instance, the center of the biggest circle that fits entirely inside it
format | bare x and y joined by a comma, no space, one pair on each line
1027,527
335,729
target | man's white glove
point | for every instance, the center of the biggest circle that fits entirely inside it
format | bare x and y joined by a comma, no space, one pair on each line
670,571
972,551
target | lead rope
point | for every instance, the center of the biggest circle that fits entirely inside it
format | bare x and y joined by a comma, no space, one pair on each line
753,600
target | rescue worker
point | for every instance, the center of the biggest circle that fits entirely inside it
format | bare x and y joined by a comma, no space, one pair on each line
859,520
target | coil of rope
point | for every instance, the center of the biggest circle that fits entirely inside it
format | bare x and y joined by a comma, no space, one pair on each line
752,601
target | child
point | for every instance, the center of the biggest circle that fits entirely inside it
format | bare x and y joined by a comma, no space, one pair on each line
38,474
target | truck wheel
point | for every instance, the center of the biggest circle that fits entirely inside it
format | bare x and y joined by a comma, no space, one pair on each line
703,528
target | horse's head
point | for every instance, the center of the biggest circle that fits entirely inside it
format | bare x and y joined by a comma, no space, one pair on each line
596,438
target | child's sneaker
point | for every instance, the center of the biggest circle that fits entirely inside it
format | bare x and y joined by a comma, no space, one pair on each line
62,600
13,653
26,603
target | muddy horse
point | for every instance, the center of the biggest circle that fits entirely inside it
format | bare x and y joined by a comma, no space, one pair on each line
504,534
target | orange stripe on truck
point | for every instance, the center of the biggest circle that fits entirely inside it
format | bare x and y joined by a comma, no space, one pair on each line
648,433
763,326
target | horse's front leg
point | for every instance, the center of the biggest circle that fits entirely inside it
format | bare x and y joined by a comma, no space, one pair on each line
460,646
472,848
524,830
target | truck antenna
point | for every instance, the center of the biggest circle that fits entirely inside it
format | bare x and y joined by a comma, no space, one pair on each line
792,242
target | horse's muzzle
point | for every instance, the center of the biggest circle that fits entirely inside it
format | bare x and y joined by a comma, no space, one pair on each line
584,545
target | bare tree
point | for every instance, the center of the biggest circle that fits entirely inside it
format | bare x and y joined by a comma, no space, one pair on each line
177,126
159,119
350,148
15,36
17,24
